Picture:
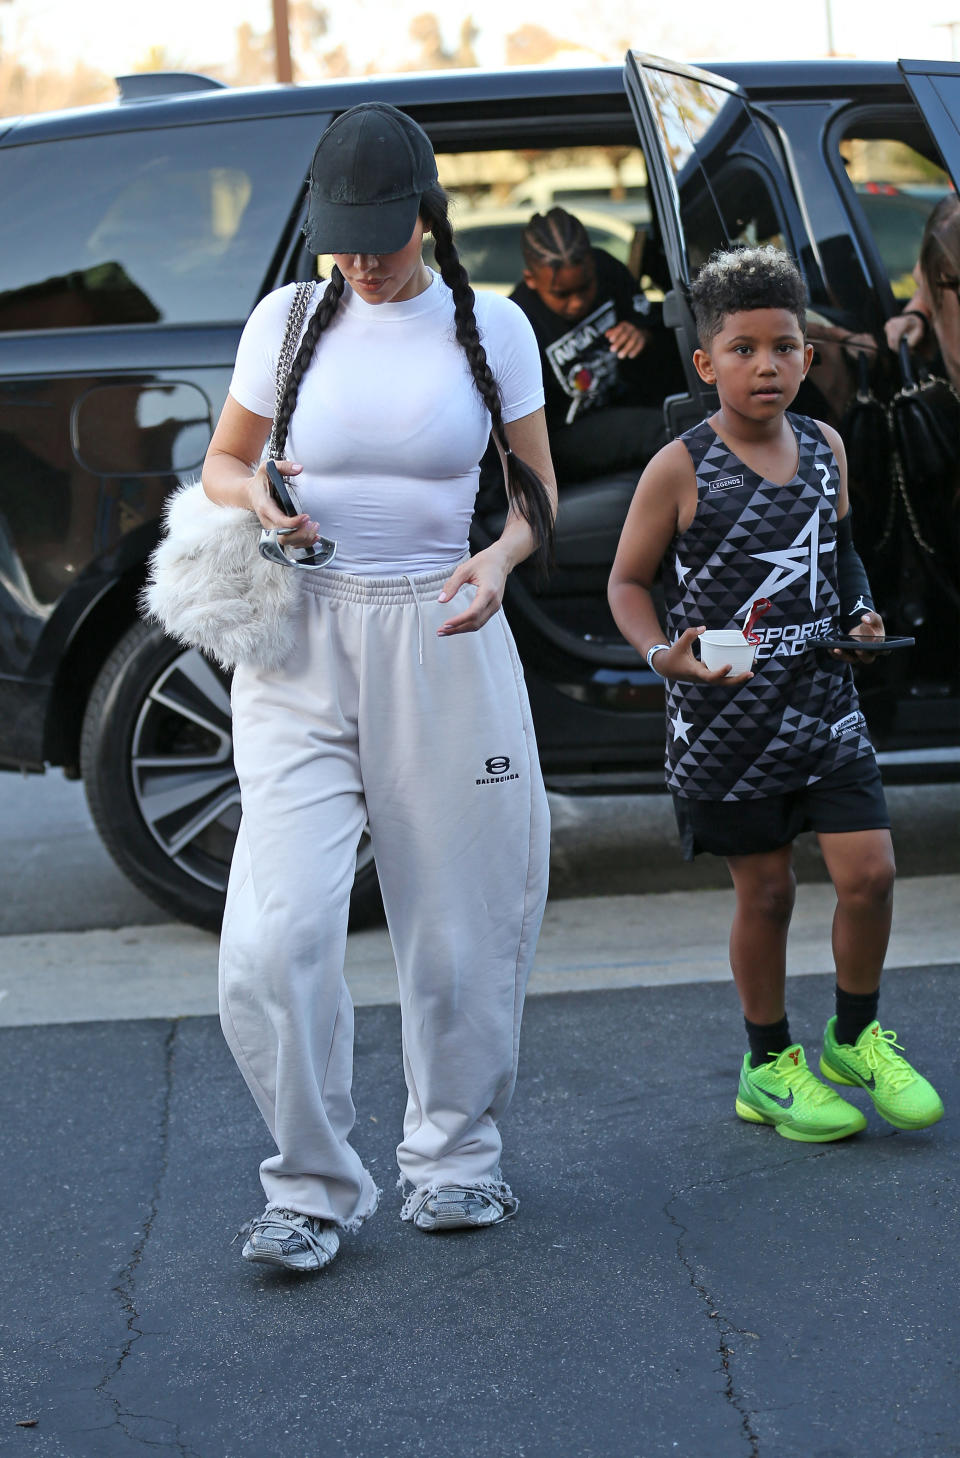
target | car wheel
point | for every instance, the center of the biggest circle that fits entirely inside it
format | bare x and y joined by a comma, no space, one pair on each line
156,756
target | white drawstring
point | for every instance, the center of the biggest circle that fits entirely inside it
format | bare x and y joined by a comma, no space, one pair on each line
409,582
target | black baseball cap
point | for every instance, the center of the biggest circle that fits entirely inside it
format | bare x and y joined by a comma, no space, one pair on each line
369,171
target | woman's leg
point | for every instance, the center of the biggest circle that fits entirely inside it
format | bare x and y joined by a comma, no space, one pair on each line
285,1008
460,829
765,887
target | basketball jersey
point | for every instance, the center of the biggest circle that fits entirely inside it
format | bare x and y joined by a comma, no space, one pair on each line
798,718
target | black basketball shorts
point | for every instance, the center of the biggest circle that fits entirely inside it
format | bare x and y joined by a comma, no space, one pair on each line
849,798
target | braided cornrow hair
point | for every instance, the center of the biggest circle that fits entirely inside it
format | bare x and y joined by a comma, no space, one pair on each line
320,318
526,493
555,240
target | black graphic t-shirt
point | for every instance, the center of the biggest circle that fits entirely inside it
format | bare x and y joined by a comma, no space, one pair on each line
798,718
580,370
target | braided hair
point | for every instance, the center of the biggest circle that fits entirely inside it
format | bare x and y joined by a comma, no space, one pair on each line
526,493
555,240
320,318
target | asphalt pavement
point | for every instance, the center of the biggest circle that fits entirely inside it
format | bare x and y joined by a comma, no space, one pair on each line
676,1283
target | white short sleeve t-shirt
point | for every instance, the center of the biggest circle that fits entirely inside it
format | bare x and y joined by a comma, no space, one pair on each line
389,427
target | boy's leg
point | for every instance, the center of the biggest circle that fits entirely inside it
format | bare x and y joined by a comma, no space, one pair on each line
765,887
862,869
856,1050
776,1086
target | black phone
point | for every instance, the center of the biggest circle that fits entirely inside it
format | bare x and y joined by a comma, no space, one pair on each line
850,644
282,492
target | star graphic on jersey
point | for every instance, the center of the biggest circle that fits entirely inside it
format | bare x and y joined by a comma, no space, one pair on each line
790,563
682,573
680,727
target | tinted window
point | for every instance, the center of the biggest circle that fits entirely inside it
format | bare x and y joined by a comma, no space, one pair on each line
174,226
494,194
720,167
897,188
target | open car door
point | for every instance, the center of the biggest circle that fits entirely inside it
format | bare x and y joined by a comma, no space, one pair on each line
718,177
935,87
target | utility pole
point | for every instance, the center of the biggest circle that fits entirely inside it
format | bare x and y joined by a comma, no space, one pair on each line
831,48
281,40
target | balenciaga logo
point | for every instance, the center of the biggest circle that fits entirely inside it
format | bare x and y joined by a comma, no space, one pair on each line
727,484
498,771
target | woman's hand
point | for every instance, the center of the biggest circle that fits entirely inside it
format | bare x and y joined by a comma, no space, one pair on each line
626,340
260,500
678,664
905,326
488,572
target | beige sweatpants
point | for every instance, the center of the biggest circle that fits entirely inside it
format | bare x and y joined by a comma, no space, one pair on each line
375,719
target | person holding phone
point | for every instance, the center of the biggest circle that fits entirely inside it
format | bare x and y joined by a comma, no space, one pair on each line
749,511
402,706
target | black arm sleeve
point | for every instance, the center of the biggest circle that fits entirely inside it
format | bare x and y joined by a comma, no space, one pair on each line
852,584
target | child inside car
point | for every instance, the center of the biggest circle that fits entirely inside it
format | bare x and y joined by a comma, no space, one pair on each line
607,361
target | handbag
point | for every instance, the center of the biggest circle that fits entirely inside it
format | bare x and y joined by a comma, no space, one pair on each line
925,428
208,586
866,433
925,419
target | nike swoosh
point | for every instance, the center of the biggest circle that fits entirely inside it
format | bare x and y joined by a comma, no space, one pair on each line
784,1103
870,1082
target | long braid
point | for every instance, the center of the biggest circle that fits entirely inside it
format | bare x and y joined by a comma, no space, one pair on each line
556,240
321,317
526,493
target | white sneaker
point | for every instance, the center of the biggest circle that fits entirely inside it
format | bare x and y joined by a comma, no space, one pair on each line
454,1207
289,1239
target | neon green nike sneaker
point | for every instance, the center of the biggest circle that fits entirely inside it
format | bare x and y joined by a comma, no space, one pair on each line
900,1094
784,1092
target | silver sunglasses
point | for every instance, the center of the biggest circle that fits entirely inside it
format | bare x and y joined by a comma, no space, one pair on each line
323,550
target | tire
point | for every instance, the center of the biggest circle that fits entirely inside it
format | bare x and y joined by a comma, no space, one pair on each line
156,755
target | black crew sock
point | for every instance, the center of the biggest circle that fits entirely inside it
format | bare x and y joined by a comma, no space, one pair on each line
855,1011
766,1038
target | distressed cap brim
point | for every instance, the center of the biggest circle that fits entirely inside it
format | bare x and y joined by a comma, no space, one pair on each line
372,227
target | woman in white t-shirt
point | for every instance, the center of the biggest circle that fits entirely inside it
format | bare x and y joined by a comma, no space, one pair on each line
401,706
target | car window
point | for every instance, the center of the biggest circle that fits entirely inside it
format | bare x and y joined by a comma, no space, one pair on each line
719,166
494,194
896,186
175,225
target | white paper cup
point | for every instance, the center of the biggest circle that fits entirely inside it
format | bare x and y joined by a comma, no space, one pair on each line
726,645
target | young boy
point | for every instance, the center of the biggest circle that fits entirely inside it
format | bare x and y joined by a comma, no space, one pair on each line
607,361
752,504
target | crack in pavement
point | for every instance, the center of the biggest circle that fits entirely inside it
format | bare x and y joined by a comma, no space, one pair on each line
726,1327
124,1288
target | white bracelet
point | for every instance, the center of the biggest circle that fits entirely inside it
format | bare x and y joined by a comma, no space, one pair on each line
657,648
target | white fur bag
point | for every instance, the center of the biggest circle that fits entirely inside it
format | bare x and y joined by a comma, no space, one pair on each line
207,584
208,587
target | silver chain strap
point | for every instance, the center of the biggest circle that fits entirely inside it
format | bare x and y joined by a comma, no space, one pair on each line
900,492
288,349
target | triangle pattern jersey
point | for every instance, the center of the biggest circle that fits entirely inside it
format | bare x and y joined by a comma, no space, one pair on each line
798,718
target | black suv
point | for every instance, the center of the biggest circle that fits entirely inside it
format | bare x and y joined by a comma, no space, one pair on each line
137,237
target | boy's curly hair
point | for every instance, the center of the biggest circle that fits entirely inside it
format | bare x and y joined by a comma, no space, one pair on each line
736,279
